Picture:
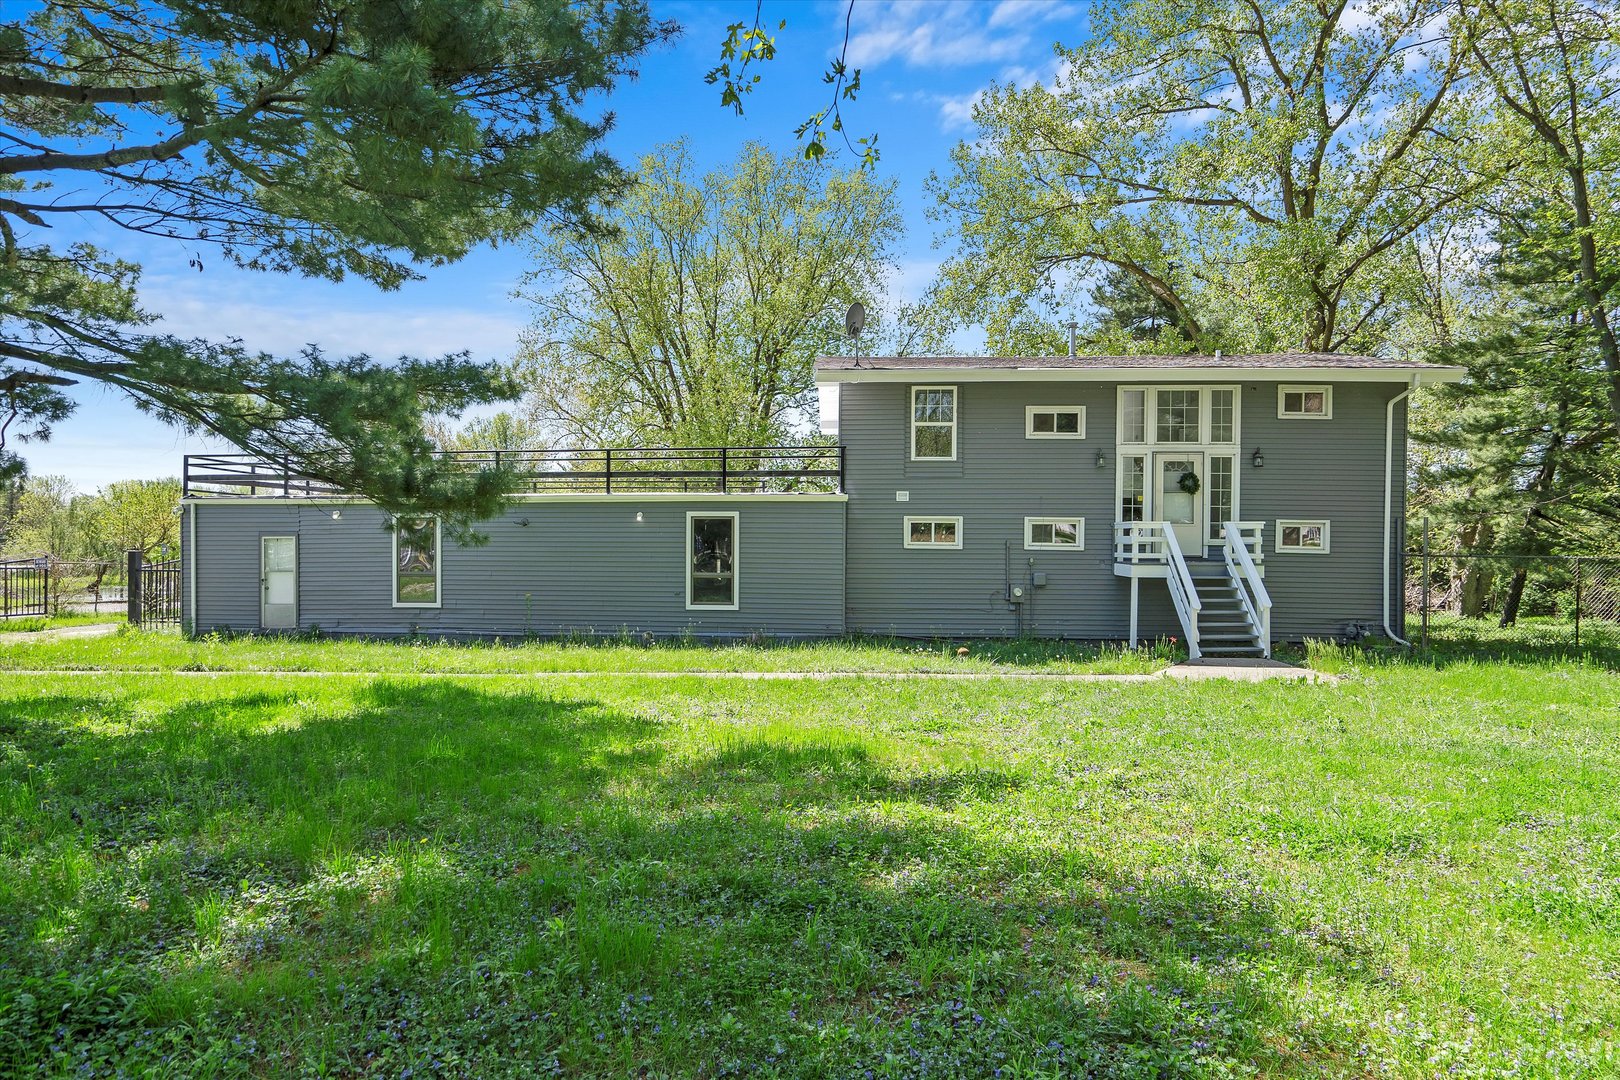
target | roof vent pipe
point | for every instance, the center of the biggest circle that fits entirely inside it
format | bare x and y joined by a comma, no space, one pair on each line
1073,329
1217,356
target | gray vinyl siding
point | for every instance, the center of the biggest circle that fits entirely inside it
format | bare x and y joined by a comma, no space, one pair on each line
1331,469
576,567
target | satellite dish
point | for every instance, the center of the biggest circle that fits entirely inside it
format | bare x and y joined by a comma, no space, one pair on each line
855,320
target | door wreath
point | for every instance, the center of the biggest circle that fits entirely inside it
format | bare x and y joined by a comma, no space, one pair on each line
1188,482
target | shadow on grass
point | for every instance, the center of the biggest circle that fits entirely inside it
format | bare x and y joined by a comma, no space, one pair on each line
421,875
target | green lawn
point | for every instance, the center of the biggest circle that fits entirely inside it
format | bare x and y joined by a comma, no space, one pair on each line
1416,872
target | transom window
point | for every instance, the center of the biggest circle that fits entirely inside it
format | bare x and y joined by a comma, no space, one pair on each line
1308,536
711,561
933,423
1178,416
1305,402
933,532
1060,422
1051,532
416,562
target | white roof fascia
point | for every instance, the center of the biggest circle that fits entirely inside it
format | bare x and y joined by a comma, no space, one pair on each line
1423,376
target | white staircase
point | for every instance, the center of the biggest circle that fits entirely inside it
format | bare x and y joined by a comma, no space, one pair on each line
1225,626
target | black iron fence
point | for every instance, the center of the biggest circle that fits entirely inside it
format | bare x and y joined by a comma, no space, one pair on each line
25,587
723,469
1517,594
154,591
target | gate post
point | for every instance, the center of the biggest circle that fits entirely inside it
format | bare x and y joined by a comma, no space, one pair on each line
1425,585
132,591
1577,601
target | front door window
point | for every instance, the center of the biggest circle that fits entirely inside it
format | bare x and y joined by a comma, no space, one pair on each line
1181,500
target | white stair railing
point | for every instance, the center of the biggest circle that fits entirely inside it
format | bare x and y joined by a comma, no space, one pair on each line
1182,590
1139,542
1241,568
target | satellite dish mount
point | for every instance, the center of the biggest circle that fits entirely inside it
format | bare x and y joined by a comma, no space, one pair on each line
854,323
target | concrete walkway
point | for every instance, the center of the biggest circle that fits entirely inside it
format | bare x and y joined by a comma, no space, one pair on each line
88,630
1244,669
1240,670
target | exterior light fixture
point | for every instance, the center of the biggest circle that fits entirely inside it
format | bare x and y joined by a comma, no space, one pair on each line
1102,460
337,515
638,515
523,523
1259,459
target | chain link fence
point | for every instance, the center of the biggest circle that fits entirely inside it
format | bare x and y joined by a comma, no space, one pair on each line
1521,599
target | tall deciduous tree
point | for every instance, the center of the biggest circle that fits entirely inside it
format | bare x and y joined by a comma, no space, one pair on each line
1259,163
129,515
1552,67
329,139
696,320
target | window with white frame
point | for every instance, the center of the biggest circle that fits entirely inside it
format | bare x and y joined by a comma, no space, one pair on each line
1132,488
1054,422
711,561
1133,416
416,562
1222,415
1219,472
1067,534
1305,402
1307,536
933,532
933,423
1178,416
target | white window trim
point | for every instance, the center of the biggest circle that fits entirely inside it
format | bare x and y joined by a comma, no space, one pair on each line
1150,426
1119,483
905,532
1079,533
1281,549
1216,538
1029,421
736,560
438,567
1284,389
911,414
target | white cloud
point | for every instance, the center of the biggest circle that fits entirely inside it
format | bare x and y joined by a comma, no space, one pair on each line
931,33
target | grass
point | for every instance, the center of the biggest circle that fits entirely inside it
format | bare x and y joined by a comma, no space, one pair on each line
168,650
1413,873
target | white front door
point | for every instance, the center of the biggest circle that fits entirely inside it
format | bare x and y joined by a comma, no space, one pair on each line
278,582
1182,509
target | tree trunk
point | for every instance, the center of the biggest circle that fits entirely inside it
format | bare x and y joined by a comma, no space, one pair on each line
1475,576
1515,595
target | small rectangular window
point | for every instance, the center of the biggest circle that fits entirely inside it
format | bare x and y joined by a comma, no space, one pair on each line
933,532
1308,536
416,562
1133,488
933,423
1133,416
1305,402
711,561
1048,532
1176,415
1060,422
1220,470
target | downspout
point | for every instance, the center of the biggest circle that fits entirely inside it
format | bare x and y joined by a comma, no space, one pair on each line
190,554
1389,495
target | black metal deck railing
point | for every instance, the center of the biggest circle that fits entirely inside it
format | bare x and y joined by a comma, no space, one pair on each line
696,470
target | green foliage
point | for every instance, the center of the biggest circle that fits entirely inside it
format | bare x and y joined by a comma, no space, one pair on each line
1255,169
52,518
362,139
504,430
1405,874
695,321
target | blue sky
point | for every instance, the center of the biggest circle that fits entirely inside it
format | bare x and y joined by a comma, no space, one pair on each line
923,62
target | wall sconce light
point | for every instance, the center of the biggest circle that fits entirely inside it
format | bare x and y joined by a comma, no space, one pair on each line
638,515
1102,460
523,523
337,515
1258,460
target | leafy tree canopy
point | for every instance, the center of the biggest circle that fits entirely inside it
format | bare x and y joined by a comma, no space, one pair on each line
1256,165
366,138
696,320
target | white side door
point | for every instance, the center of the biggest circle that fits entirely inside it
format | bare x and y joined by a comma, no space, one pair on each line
1182,509
278,582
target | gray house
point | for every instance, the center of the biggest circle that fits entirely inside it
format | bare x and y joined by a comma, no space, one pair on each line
1229,501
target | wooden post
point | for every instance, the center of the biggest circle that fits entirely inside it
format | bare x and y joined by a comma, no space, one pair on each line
1577,601
132,591
1135,592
